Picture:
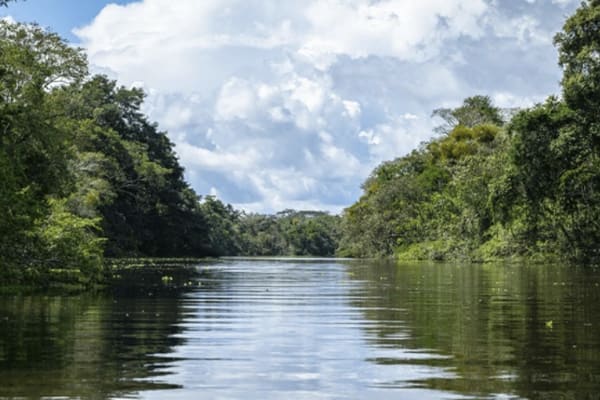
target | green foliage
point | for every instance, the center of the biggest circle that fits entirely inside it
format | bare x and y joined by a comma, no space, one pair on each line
475,110
70,244
84,174
128,174
419,204
223,237
463,141
389,212
556,149
289,233
579,55
34,155
530,189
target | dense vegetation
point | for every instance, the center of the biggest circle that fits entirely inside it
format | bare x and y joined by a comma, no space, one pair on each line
289,232
286,233
85,175
494,187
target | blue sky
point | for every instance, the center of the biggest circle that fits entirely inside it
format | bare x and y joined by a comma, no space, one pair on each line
277,104
60,15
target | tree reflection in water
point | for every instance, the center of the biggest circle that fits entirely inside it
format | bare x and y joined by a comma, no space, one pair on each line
529,331
102,345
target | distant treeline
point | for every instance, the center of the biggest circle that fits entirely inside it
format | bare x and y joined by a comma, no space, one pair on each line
293,233
494,185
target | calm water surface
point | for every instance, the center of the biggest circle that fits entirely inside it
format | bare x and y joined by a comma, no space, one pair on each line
259,329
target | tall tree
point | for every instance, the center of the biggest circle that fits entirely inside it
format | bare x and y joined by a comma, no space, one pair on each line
148,208
579,55
36,228
475,110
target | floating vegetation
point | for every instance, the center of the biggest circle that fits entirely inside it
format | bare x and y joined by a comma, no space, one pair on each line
157,275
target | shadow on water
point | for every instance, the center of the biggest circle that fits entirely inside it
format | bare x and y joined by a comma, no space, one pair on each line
104,345
520,331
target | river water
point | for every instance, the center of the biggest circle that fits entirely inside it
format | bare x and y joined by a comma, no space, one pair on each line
313,329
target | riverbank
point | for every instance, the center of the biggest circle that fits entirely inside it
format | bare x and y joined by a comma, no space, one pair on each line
489,252
116,273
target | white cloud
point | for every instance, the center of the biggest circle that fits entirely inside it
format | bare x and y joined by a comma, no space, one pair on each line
525,29
217,160
278,104
405,29
213,192
236,100
509,100
388,140
352,108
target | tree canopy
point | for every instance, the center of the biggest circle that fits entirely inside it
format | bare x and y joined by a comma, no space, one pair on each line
485,189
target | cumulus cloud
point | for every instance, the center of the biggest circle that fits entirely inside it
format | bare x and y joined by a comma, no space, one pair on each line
277,104
407,30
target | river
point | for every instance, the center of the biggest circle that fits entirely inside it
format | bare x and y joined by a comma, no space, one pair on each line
313,329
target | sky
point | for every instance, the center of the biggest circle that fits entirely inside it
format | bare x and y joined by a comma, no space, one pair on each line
276,104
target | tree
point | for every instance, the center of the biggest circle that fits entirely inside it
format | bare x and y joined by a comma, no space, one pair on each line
555,151
35,155
434,202
484,189
289,233
146,206
475,110
579,56
390,213
223,232
578,145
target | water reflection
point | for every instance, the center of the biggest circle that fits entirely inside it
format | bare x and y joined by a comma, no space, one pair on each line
529,332
108,345
322,329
